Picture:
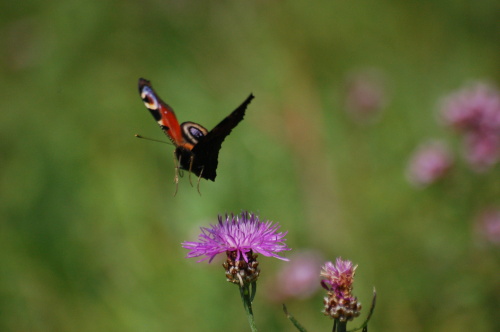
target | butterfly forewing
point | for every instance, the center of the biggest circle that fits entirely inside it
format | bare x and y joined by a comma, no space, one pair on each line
162,113
207,150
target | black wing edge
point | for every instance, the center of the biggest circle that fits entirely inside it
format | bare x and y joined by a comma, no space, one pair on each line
207,150
224,127
143,82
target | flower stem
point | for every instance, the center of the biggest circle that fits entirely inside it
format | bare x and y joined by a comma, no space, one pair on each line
341,326
247,303
364,326
293,320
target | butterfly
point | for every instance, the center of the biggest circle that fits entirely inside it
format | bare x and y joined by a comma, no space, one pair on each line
196,148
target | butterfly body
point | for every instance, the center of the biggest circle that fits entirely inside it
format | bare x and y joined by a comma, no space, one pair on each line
196,148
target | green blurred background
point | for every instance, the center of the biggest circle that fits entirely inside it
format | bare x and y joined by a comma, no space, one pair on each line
90,231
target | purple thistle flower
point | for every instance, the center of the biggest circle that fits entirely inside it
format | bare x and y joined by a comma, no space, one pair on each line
340,303
338,276
243,235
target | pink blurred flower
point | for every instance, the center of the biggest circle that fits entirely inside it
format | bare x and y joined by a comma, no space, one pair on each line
473,108
482,150
475,112
366,95
488,225
298,278
429,163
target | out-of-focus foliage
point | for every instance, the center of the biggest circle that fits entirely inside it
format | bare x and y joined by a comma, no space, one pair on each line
90,232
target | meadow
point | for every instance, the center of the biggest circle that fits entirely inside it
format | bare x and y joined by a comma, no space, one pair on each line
345,93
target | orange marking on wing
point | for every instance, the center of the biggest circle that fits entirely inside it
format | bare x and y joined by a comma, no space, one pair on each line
169,120
187,146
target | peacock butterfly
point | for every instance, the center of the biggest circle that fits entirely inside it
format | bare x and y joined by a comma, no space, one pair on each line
196,148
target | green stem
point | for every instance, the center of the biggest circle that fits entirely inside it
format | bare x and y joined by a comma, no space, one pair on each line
341,326
247,303
364,326
293,320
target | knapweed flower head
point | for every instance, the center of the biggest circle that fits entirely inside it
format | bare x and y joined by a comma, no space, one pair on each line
430,162
338,279
241,237
338,276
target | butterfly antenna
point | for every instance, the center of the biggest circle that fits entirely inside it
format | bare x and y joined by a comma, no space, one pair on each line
152,139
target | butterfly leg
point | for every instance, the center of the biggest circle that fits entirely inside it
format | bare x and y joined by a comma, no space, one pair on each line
190,168
199,178
176,176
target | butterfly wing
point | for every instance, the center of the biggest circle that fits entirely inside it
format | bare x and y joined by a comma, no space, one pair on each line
162,113
199,157
206,152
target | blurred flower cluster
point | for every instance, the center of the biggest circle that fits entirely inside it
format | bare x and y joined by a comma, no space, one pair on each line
474,112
